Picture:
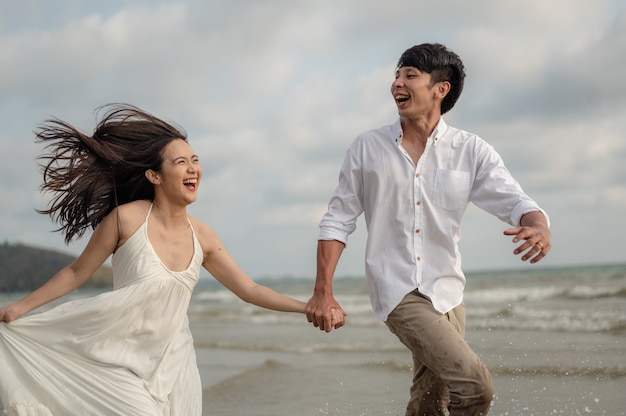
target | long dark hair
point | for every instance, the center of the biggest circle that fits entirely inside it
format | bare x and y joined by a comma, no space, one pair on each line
90,175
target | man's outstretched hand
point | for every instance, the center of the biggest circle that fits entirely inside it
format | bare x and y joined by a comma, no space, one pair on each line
534,234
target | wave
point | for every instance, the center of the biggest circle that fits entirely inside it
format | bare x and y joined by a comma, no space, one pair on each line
587,292
598,373
561,371
543,326
302,348
548,318
554,304
496,317
503,295
524,316
526,371
542,293
512,294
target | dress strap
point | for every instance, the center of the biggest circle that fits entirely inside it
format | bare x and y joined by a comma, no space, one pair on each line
149,211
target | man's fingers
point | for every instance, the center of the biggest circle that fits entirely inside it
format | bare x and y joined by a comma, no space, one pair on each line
312,319
328,323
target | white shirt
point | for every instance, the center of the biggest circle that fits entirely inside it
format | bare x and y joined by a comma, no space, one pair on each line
413,213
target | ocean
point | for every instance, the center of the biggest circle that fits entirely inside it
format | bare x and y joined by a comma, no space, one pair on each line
553,338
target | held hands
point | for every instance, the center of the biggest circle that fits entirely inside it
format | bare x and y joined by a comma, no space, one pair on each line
535,234
325,313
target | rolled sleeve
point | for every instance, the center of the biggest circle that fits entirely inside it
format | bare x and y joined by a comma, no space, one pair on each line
340,219
524,208
333,231
346,204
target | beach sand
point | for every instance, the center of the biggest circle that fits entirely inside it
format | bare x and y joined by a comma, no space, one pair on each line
349,383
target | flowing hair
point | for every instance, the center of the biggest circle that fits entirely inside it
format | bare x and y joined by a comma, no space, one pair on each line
90,175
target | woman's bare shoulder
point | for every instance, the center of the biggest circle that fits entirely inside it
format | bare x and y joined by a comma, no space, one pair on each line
129,218
205,234
200,228
134,208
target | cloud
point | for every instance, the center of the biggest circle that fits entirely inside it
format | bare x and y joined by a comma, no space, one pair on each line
272,93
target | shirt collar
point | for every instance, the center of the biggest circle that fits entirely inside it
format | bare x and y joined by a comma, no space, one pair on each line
439,131
437,134
396,131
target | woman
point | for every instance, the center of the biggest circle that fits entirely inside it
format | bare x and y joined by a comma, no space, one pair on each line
128,351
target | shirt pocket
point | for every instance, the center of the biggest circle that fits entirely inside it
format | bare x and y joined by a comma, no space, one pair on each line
452,189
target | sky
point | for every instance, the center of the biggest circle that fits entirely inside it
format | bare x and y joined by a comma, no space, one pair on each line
272,93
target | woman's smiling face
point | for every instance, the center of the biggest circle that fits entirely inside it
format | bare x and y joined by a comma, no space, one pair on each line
180,171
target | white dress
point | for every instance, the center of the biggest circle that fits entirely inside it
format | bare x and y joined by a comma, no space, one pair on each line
124,352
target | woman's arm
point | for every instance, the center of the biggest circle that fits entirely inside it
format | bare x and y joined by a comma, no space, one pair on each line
221,265
101,244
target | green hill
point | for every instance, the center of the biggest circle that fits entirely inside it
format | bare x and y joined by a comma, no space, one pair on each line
24,268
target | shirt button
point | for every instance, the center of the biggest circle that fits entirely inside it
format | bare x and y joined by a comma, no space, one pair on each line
417,231
418,203
419,258
417,175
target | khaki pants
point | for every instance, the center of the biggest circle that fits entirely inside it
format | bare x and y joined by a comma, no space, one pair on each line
446,372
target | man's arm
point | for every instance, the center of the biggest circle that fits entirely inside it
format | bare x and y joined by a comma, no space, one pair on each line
319,309
535,233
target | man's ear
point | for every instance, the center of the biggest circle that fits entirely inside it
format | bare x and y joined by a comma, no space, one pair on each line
442,89
153,177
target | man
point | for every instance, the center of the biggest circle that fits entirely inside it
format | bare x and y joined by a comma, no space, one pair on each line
413,181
